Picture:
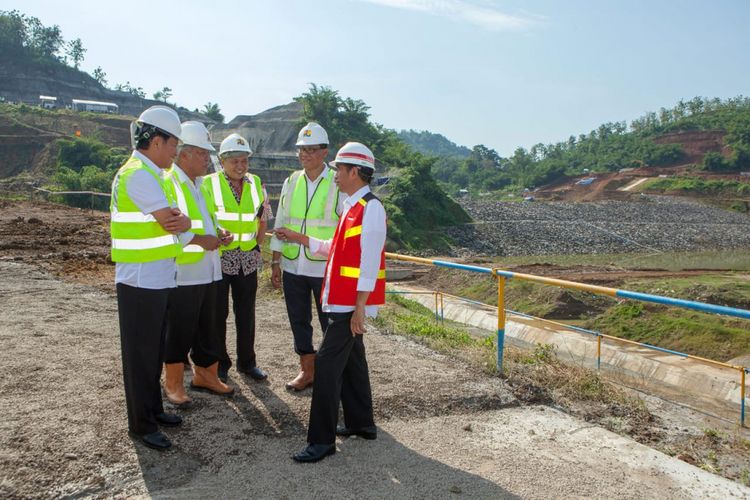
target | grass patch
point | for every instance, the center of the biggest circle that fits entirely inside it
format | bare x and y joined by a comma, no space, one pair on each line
691,332
534,376
737,260
696,186
707,335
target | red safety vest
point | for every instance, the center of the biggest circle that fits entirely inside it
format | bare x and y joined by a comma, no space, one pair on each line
344,260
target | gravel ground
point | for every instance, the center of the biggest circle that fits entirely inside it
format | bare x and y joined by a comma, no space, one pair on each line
653,224
446,429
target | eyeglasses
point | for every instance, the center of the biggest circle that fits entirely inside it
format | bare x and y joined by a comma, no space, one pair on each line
310,149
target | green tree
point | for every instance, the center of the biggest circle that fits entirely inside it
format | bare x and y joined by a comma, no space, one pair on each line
45,41
130,89
75,51
100,76
212,111
163,94
14,35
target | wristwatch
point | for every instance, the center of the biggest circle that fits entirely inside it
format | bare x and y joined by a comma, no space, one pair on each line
275,262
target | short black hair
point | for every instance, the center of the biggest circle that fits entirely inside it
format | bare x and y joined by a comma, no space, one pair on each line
146,133
364,173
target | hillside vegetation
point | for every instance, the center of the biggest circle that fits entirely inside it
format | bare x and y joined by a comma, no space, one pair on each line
610,147
432,144
416,205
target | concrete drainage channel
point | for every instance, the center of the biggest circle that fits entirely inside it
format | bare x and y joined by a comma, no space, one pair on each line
711,389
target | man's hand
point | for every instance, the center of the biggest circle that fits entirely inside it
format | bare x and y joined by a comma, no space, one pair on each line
206,241
225,237
172,220
285,234
276,276
358,321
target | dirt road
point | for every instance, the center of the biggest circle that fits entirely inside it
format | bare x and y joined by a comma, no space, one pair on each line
446,429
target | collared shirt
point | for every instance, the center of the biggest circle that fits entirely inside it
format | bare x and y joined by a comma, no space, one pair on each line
372,242
208,269
302,265
236,260
148,196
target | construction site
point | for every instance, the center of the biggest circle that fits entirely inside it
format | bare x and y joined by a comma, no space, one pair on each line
571,321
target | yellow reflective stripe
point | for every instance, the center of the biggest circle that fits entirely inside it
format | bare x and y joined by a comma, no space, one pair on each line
143,243
353,272
362,202
349,272
353,231
132,217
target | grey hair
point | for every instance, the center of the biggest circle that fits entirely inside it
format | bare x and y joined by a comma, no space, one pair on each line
185,147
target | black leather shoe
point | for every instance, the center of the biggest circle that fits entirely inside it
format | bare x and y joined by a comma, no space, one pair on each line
364,432
314,453
156,440
168,419
254,373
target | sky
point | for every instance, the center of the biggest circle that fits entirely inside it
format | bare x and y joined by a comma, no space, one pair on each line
500,73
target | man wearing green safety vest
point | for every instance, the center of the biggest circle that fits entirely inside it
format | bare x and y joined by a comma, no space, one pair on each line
238,201
310,203
191,325
144,225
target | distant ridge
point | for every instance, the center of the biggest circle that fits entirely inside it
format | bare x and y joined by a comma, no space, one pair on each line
433,144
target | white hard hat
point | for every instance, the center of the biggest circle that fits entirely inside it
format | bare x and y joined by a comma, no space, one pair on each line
355,153
235,143
163,118
196,134
312,134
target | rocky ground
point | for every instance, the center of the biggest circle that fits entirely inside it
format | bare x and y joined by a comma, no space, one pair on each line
447,429
554,228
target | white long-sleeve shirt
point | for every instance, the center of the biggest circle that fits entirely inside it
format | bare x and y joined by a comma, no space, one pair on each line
371,242
148,195
302,266
208,269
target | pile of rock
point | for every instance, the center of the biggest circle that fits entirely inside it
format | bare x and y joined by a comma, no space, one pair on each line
653,224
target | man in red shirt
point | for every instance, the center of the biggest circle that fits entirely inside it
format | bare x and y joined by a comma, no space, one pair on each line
353,288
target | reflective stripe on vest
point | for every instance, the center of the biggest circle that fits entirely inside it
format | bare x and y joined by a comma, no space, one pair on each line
344,264
137,237
353,272
239,219
191,253
318,218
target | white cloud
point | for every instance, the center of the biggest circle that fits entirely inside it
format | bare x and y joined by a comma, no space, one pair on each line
486,16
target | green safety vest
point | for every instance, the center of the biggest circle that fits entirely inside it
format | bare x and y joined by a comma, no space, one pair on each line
240,220
317,219
180,191
137,237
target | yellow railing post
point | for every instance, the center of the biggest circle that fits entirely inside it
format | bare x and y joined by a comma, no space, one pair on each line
442,309
742,395
500,320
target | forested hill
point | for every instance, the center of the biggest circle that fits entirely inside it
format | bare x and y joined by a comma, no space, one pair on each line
432,144
610,147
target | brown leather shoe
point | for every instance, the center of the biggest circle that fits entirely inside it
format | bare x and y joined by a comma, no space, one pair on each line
306,374
207,380
174,388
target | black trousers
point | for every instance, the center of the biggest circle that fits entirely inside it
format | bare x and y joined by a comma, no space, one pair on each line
341,374
244,288
192,325
297,290
143,318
